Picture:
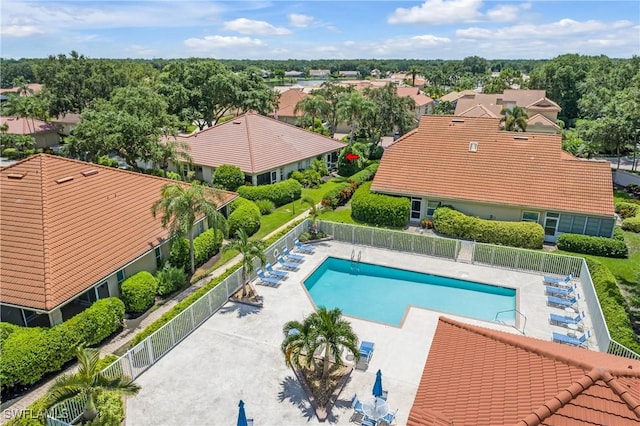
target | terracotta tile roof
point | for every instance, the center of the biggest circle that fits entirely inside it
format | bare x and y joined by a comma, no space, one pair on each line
476,376
541,119
66,224
415,94
530,100
478,111
22,126
33,87
287,102
434,161
256,144
454,96
68,118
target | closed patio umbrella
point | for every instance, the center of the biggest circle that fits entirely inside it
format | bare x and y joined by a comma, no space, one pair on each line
242,417
377,386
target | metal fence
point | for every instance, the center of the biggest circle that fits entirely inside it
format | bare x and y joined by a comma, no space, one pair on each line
150,350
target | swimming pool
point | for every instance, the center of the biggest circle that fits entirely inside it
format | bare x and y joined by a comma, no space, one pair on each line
383,294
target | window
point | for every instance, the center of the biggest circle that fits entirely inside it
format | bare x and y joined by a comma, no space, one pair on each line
185,170
200,227
120,276
103,290
431,207
274,176
158,254
530,217
307,163
416,208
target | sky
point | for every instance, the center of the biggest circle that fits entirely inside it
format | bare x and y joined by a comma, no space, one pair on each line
356,29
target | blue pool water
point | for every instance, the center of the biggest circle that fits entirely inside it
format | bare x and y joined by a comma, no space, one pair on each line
383,294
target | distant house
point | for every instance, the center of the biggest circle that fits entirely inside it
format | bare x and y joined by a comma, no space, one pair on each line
478,376
287,103
424,104
45,134
319,73
72,232
265,149
294,74
349,74
542,111
472,165
32,88
66,122
454,96
375,73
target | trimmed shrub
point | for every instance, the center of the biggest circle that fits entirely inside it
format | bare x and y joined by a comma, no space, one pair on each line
613,305
626,210
170,278
179,253
618,233
455,224
339,195
173,175
138,292
631,224
364,175
279,193
320,167
350,167
297,175
206,245
265,206
228,177
111,409
597,246
246,215
378,209
311,178
28,353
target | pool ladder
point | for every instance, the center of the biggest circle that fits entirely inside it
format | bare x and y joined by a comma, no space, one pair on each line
355,261
521,320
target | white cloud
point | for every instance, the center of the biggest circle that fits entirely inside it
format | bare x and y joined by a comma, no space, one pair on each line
552,31
438,12
221,42
430,40
250,27
301,21
333,29
504,13
20,31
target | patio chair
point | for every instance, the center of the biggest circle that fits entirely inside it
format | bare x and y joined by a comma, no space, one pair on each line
559,302
563,321
291,256
272,282
366,352
555,281
304,248
287,265
367,422
571,340
276,273
390,417
559,291
358,412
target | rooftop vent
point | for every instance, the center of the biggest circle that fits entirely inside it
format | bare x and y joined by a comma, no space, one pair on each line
520,138
90,172
473,146
237,122
64,179
457,120
16,175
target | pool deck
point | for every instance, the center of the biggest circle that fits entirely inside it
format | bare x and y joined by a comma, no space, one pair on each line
236,353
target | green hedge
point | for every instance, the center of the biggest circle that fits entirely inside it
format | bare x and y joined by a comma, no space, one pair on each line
597,246
339,195
246,215
364,175
138,292
28,353
618,233
228,177
626,210
205,246
265,206
378,209
279,193
455,224
613,305
631,224
170,278
192,298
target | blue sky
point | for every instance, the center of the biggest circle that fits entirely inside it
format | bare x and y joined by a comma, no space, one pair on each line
445,29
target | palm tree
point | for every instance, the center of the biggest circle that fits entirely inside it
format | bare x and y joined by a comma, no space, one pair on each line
313,106
414,71
514,119
297,342
314,212
181,205
351,107
88,382
249,250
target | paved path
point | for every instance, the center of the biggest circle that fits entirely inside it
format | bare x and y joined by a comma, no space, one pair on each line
133,327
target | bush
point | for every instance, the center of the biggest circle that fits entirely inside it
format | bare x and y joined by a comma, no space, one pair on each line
320,167
631,224
378,209
350,167
138,292
597,246
364,175
618,233
297,175
455,224
28,353
311,178
626,210
228,177
11,153
279,193
206,245
339,195
426,223
265,206
110,408
105,160
179,253
173,175
170,278
246,215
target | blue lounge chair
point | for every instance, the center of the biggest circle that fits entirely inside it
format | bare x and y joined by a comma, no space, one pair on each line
276,273
366,350
367,422
570,340
559,291
267,280
563,321
558,281
304,248
287,265
291,256
562,303
390,417
358,412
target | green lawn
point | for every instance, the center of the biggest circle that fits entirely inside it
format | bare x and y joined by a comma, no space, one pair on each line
620,195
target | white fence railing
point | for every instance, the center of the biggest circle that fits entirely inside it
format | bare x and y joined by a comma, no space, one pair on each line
146,353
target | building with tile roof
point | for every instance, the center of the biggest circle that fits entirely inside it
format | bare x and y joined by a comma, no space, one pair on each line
287,102
45,134
71,232
266,150
480,377
424,104
472,165
542,111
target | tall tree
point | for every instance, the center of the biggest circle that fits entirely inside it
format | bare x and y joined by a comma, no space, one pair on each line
88,382
514,119
391,112
332,92
414,70
250,250
351,108
179,207
314,106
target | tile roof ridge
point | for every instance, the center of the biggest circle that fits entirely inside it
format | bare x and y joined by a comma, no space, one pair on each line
249,142
43,167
